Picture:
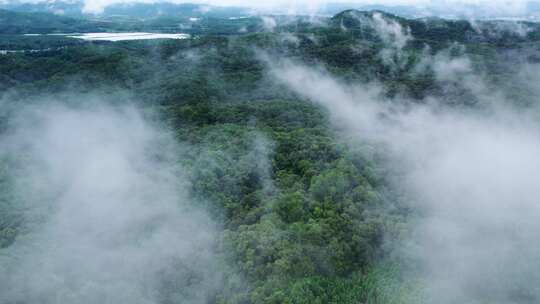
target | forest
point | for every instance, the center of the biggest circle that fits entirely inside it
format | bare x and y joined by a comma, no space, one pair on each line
275,159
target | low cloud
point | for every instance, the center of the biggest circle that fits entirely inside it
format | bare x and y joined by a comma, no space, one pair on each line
107,212
471,173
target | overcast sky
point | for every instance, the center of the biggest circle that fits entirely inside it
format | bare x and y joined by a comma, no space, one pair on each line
494,7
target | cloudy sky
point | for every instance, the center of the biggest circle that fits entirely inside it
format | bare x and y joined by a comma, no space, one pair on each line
491,7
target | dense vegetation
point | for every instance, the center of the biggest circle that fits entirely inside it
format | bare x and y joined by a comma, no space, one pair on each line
315,223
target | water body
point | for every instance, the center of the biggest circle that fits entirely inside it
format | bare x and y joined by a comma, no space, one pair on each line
31,51
126,36
99,37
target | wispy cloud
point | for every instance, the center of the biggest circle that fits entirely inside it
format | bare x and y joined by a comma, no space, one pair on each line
471,174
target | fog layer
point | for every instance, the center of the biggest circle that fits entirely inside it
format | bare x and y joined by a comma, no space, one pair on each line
106,212
472,174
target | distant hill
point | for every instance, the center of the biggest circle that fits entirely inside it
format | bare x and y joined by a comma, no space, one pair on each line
164,9
436,29
355,18
442,10
60,8
41,23
133,10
